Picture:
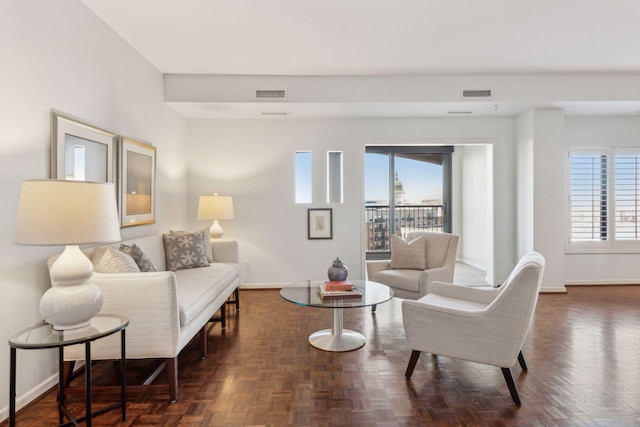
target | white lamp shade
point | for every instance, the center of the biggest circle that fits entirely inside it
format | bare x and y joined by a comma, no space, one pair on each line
56,212
215,207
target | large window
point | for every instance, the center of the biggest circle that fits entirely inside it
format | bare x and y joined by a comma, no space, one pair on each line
406,189
604,200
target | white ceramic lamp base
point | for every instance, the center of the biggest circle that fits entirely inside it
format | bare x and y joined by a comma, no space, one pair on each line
71,302
216,231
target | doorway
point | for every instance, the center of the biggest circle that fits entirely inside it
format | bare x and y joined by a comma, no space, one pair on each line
407,188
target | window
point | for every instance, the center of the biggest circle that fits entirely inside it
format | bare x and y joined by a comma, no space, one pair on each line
303,176
407,188
604,200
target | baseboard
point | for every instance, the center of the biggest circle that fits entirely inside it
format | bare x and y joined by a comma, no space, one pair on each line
562,290
31,395
601,282
262,285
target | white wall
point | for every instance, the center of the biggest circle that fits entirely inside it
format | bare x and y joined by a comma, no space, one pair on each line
475,201
618,268
59,55
252,160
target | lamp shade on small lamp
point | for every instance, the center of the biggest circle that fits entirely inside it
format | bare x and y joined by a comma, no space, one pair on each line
215,208
70,213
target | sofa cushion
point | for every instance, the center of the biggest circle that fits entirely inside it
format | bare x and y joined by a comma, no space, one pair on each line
206,241
184,251
139,256
114,261
408,255
408,280
198,287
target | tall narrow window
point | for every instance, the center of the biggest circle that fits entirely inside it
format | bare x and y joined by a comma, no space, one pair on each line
334,177
303,181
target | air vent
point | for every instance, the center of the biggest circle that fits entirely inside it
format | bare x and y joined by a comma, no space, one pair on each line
271,95
476,93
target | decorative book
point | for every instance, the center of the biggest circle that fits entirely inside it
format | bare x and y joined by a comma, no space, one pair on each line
328,295
338,285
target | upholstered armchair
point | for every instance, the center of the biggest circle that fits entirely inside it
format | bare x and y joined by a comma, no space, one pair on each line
422,258
484,325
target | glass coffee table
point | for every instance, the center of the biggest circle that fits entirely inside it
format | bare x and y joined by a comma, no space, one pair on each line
337,338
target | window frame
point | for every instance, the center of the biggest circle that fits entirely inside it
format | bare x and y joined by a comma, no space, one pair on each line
611,244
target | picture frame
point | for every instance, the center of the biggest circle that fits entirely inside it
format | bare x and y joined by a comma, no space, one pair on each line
80,151
137,178
319,223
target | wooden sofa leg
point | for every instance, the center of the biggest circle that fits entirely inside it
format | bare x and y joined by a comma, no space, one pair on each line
511,384
415,354
172,371
236,294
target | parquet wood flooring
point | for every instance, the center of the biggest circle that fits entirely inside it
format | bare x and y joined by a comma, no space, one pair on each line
583,353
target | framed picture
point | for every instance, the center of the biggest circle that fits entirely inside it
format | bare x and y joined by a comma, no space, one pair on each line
137,183
320,223
80,151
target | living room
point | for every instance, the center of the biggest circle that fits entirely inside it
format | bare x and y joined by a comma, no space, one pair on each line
61,55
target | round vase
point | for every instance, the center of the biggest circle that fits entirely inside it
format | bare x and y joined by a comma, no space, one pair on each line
338,271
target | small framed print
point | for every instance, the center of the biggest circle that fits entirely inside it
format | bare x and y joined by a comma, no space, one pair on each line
137,183
320,223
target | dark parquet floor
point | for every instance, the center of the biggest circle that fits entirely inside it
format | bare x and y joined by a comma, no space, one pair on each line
583,353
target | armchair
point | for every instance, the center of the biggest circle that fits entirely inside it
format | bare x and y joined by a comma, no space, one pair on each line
440,261
484,325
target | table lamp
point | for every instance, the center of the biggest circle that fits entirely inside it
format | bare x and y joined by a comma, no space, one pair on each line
70,213
215,208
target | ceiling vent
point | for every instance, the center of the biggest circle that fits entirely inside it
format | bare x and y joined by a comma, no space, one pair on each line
271,95
476,93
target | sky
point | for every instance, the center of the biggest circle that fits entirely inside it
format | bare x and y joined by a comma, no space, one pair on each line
421,180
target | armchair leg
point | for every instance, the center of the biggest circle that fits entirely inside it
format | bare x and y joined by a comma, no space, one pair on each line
415,354
373,308
523,364
511,384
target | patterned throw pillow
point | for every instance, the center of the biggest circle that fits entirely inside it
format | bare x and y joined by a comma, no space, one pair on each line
184,251
408,255
206,241
116,262
139,256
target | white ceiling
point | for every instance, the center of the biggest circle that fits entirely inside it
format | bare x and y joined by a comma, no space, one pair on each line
381,37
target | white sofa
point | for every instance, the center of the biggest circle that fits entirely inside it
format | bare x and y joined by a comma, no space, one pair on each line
165,309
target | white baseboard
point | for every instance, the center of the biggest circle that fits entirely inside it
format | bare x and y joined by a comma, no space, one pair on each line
262,285
601,282
550,290
31,395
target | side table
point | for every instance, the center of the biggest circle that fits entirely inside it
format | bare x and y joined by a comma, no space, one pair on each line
42,336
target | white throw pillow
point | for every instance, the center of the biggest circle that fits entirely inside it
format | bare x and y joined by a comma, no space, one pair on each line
114,261
408,255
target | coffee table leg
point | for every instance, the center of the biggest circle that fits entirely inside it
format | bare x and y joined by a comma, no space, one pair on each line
337,338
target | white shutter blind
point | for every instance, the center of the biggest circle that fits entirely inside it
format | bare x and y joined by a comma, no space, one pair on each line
627,196
588,195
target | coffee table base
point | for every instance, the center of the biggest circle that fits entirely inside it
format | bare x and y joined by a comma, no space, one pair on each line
327,341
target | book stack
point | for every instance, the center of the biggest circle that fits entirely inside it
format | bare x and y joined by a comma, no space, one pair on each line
338,290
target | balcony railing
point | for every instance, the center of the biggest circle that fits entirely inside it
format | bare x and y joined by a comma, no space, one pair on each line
408,218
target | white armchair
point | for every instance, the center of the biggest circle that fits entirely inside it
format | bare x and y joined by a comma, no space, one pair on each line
484,325
410,283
